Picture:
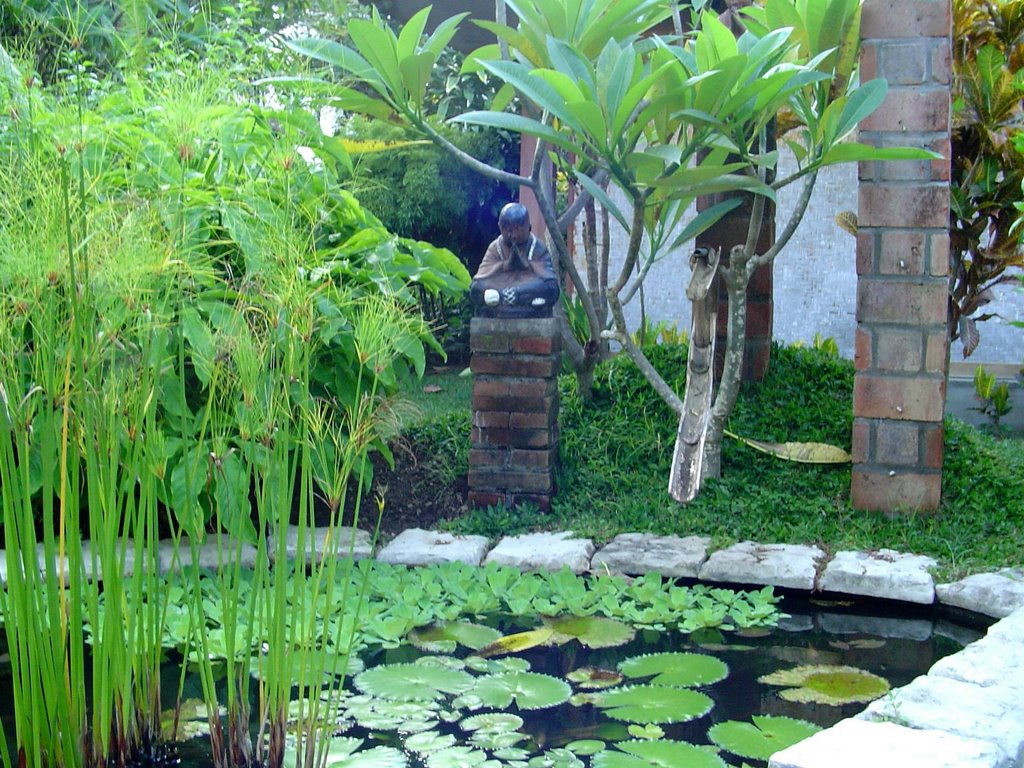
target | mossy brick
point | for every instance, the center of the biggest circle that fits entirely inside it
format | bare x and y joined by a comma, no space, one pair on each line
910,110
902,252
936,355
490,419
535,460
904,205
536,420
938,254
490,342
898,349
485,498
905,62
896,443
514,438
884,490
537,345
912,398
884,19
515,404
514,327
913,301
524,387
861,440
490,386
515,365
863,349
511,480
489,457
933,441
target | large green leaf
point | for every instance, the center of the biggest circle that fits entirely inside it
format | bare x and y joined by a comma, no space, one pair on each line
657,754
654,704
679,669
528,690
762,738
412,682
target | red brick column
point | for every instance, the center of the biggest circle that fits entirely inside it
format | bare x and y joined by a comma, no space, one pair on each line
903,261
514,443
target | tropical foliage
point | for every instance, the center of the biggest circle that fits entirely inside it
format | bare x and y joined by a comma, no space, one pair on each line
988,159
662,121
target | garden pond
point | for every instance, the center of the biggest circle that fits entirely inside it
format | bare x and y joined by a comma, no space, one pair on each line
569,692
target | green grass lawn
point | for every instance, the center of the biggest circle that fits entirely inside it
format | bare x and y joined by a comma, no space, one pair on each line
615,454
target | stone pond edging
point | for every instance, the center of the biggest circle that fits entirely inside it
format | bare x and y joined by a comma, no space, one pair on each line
966,712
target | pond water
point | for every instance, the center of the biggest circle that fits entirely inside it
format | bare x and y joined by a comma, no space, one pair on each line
896,642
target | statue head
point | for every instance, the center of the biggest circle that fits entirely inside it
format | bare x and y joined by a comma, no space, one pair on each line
514,223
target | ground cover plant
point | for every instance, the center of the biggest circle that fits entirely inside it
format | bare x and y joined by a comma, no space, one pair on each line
614,456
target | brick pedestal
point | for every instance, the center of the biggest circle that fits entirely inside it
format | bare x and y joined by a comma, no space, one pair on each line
902,262
514,441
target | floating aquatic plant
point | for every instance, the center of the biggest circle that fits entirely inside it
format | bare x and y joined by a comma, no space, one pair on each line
492,722
591,631
657,754
653,704
831,685
412,682
592,678
461,757
528,690
680,669
446,637
428,741
344,752
380,714
763,737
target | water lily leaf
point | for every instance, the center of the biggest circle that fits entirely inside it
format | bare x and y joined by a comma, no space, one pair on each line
556,758
682,669
646,731
384,715
497,666
592,678
494,741
654,704
528,690
493,722
428,741
342,754
591,631
826,684
762,738
445,638
459,757
585,746
412,682
657,754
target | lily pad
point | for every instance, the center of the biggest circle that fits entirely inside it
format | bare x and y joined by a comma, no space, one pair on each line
594,678
343,753
385,715
412,682
654,704
493,722
682,669
529,690
829,685
428,741
585,746
445,638
460,757
762,738
591,631
497,666
657,754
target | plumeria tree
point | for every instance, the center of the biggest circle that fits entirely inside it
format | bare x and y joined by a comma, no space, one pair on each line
614,106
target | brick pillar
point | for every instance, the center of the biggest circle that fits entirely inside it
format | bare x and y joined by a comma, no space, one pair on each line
514,444
902,262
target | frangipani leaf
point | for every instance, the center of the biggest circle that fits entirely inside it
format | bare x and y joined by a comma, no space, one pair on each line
528,690
657,754
830,685
762,738
679,669
654,704
412,682
804,453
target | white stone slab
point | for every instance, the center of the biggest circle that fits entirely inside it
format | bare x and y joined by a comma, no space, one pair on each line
1010,628
211,553
963,709
990,662
780,565
991,594
416,546
345,540
881,573
639,553
543,552
860,744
